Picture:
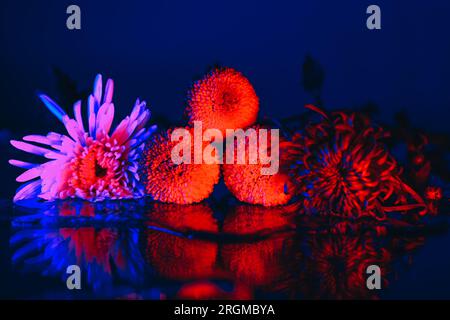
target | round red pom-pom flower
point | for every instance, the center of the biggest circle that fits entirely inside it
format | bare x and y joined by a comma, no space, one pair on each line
167,181
248,184
223,99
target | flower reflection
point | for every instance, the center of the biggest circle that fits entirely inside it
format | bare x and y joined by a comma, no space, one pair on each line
339,265
51,236
258,220
189,252
183,218
102,254
264,260
338,259
78,212
202,290
178,257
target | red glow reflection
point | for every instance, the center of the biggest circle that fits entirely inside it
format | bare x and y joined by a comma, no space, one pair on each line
178,257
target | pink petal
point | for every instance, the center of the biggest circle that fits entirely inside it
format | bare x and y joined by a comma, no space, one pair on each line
120,134
22,164
29,148
29,174
38,139
73,129
28,190
92,116
109,90
98,87
77,113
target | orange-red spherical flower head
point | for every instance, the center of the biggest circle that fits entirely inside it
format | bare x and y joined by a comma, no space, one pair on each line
341,167
182,183
246,179
223,99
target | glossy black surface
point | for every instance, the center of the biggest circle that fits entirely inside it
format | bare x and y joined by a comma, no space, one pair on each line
144,250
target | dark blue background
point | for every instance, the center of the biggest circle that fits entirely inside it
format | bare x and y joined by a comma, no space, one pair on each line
153,49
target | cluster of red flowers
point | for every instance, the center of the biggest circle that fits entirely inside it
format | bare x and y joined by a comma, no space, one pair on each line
223,99
338,165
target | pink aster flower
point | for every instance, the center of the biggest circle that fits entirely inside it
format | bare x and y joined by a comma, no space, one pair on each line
90,163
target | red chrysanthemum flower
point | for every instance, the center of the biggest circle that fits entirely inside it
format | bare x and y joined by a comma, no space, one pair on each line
249,185
224,99
341,167
182,183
